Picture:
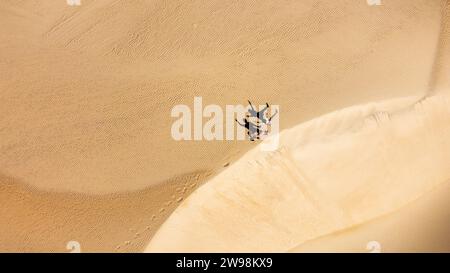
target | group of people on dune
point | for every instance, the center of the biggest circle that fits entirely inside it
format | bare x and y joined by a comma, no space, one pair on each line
255,128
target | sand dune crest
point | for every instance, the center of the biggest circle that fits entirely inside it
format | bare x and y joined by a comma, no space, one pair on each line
330,173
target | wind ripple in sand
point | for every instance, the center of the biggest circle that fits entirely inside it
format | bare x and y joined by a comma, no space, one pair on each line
331,173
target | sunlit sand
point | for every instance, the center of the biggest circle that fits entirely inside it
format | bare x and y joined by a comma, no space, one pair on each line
86,152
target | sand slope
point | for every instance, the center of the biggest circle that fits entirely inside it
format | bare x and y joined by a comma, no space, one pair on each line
86,93
421,226
40,221
331,173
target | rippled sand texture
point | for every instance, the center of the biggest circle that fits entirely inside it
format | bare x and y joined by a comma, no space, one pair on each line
40,221
86,93
329,174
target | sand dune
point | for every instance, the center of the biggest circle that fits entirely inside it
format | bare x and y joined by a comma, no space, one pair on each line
329,174
421,226
86,92
40,221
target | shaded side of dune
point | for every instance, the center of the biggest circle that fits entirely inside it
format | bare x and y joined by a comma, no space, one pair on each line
39,221
440,75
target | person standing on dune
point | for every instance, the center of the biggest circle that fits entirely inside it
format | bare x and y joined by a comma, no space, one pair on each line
261,114
252,129
256,114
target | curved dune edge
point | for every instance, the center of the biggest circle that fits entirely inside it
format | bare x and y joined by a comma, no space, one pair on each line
40,221
400,231
333,172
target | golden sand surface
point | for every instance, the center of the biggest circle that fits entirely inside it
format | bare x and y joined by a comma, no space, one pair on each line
421,226
86,92
329,174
